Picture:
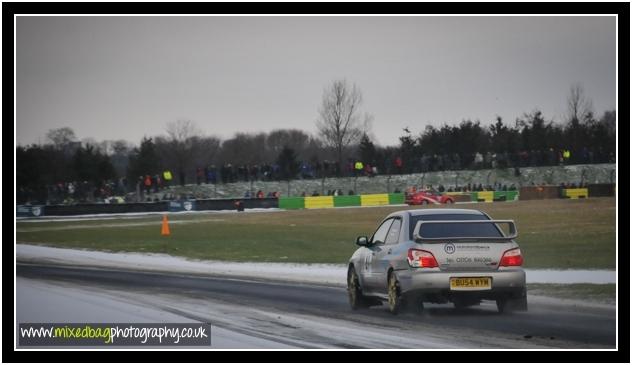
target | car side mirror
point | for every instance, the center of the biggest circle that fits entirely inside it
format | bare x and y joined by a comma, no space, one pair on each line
362,241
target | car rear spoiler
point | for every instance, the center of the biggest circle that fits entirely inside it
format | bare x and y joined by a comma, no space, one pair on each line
513,232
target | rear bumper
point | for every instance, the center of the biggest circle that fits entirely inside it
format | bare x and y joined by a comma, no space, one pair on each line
505,284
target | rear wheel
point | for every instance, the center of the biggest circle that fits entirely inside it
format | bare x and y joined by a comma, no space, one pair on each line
449,201
394,295
356,299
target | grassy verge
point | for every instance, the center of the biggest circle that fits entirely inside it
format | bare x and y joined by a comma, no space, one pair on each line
599,293
553,233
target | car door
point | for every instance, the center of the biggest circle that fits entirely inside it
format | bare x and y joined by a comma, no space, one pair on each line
383,256
375,248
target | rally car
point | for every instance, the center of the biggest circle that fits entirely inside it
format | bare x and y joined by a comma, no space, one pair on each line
422,197
460,256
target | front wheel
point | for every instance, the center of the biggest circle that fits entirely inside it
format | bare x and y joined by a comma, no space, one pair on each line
356,299
394,295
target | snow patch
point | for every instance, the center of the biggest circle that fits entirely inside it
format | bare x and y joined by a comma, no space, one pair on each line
327,274
44,302
82,217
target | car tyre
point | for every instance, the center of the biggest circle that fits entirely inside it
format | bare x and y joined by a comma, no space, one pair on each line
356,299
395,300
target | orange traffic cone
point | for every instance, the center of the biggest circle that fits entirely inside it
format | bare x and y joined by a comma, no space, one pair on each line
165,226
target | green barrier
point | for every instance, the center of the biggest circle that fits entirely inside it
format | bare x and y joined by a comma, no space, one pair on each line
396,198
347,201
292,203
505,195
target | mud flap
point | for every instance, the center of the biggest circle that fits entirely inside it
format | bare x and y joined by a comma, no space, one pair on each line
517,305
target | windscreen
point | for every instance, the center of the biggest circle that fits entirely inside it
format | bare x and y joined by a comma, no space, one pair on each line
455,230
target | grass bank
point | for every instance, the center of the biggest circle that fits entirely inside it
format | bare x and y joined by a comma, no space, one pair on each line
598,293
556,233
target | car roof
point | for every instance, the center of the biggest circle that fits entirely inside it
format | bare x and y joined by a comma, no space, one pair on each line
419,212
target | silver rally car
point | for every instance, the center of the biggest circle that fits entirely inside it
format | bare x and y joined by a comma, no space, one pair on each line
438,256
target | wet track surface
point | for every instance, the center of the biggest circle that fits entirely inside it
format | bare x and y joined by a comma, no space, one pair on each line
594,327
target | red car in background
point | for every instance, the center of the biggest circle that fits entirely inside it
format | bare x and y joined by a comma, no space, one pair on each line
422,197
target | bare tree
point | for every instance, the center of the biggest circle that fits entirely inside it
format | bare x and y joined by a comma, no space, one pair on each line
89,141
339,122
300,142
579,106
182,130
244,149
119,151
120,147
61,137
182,135
204,150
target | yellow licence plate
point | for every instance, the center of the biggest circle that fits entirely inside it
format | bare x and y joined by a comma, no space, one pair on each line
470,283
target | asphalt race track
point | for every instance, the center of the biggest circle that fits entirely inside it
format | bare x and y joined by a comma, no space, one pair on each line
547,324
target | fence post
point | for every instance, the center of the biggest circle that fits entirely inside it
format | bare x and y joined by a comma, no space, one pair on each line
355,185
456,181
288,188
612,176
388,184
423,177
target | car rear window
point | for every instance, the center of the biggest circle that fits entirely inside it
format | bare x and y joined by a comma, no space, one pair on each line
455,230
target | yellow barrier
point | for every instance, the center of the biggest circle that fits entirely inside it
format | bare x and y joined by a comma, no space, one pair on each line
575,193
373,199
314,202
487,196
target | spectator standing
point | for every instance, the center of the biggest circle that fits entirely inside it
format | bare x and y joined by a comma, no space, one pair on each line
359,167
399,164
139,189
198,175
148,184
167,177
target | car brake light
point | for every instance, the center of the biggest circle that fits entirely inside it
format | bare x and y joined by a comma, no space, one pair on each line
512,257
421,258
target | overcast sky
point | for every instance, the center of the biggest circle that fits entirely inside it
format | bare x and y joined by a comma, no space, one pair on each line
126,77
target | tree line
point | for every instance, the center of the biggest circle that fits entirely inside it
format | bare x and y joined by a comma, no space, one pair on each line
343,139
